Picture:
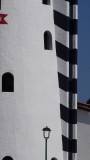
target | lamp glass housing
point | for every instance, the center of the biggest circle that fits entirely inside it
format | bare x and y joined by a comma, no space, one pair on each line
46,134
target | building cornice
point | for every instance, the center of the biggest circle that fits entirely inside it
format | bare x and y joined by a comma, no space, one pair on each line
83,106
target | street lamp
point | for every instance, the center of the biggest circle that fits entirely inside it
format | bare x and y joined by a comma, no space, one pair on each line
46,135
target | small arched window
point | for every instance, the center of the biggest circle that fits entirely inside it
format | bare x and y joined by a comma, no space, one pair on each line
47,2
47,40
7,82
7,158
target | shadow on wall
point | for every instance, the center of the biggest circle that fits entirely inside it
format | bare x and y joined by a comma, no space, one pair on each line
83,116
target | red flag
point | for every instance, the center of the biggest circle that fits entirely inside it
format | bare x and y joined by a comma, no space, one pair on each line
2,19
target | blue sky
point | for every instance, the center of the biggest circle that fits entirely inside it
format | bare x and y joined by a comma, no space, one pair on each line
84,50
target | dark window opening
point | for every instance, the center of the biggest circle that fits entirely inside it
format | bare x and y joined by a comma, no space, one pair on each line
47,40
7,158
54,158
0,4
7,82
47,2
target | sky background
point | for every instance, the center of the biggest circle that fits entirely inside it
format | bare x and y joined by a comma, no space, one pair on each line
84,51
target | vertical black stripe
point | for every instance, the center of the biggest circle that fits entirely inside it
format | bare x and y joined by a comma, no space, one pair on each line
73,26
73,86
73,56
73,116
72,1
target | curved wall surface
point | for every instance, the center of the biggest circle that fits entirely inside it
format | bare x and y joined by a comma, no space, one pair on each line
34,104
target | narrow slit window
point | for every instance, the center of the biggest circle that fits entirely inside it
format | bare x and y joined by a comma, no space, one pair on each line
47,40
0,4
7,158
7,82
47,2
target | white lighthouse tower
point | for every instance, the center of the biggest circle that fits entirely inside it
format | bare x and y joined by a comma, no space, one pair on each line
29,98
38,73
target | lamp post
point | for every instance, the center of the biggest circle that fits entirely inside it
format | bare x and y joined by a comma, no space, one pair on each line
46,135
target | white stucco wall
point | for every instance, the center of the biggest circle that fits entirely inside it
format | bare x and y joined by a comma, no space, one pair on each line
35,101
83,131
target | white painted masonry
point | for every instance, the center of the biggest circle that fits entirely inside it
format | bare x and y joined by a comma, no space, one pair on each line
34,104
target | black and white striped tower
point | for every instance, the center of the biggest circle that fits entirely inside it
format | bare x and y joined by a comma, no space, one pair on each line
61,20
65,19
73,77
